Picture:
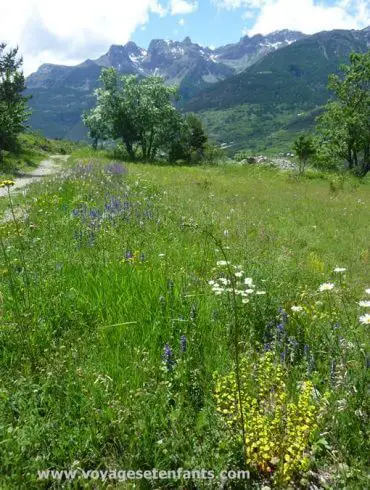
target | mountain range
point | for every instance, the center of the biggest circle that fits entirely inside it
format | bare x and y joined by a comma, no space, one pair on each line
61,93
285,68
264,106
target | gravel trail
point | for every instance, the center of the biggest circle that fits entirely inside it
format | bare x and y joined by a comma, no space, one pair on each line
47,167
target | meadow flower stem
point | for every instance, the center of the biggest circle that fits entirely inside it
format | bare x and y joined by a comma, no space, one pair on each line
235,339
11,281
21,246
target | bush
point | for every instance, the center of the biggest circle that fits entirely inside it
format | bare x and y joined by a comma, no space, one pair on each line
278,428
213,154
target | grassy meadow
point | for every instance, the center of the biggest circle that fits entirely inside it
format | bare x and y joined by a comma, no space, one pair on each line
186,317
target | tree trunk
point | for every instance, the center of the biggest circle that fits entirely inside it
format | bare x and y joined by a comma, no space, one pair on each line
355,159
154,154
129,148
366,164
151,141
144,147
349,156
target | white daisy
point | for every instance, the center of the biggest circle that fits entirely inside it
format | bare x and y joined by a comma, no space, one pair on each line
211,283
224,281
239,274
365,319
249,291
261,293
297,308
327,286
245,301
364,304
248,281
367,291
339,270
222,262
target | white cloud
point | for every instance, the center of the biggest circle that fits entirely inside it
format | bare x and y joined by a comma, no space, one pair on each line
308,16
182,22
70,31
234,4
249,14
180,7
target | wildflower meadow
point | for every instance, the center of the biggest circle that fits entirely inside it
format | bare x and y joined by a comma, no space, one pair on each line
211,317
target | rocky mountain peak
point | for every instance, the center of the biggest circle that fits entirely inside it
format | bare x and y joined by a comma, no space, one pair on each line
116,50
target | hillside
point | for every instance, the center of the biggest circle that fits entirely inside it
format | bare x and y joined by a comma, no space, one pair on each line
270,95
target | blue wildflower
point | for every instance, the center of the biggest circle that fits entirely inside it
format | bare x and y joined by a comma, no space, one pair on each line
129,255
283,315
168,357
115,169
94,214
183,343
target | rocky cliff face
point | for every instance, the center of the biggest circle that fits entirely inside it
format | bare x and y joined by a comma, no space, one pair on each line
175,61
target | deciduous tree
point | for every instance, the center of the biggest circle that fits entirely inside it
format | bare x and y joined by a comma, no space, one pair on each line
139,112
305,149
344,129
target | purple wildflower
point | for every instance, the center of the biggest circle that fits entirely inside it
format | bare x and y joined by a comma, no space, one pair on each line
283,315
129,255
115,169
183,343
168,357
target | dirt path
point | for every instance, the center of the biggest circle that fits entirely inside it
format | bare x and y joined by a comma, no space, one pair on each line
47,167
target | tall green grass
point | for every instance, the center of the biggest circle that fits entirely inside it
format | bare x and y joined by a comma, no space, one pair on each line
108,278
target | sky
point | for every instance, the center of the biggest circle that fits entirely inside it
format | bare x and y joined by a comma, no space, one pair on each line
70,31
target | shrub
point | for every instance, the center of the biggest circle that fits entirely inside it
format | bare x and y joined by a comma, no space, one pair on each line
278,429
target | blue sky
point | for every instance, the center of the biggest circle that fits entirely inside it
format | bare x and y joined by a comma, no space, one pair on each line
71,31
208,25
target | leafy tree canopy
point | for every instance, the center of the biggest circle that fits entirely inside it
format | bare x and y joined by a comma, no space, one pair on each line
13,105
344,129
140,112
305,149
